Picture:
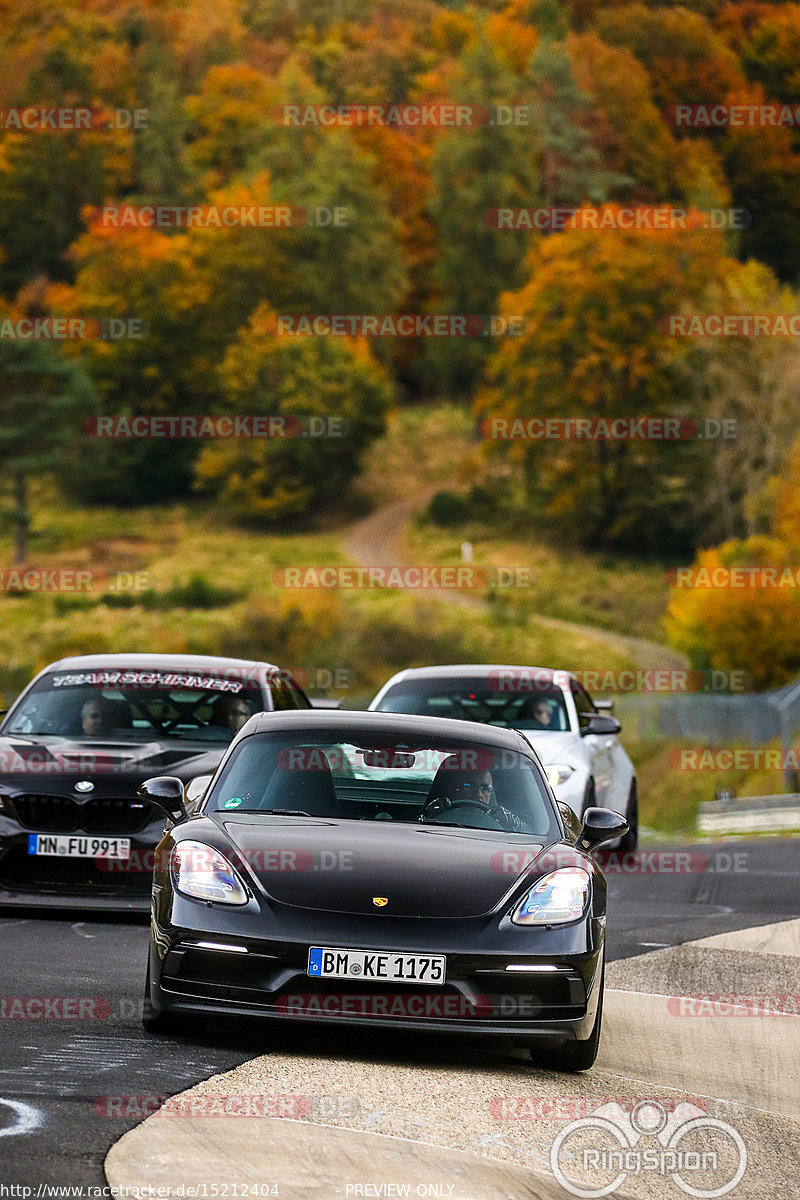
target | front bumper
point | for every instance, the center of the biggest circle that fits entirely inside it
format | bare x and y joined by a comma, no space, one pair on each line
43,881
267,977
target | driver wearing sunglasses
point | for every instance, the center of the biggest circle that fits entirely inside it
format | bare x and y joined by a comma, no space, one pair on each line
473,789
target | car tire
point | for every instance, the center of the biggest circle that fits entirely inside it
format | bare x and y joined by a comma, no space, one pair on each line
630,841
589,797
574,1056
152,1021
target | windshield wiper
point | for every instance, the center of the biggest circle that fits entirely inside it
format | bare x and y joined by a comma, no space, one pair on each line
450,825
289,812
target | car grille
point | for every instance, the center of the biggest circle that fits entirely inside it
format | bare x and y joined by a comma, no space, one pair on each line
62,814
20,872
259,980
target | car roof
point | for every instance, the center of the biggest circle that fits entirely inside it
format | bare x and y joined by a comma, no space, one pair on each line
174,662
465,670
402,724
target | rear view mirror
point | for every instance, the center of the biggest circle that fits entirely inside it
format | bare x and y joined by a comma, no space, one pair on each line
387,758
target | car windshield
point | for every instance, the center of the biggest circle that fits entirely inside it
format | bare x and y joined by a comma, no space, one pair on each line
135,705
539,708
378,777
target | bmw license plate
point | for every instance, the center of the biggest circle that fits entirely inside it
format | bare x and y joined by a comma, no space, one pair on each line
325,962
78,846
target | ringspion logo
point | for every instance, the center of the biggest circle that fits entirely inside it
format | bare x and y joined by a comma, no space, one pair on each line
702,1155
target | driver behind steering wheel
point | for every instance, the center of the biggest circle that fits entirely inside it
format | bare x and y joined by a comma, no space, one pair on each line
475,789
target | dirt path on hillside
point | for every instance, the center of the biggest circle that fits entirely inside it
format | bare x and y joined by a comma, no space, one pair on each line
378,541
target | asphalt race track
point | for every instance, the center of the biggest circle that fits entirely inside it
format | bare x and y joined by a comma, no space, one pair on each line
55,1071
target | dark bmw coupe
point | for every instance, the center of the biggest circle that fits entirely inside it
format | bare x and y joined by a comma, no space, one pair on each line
78,742
383,870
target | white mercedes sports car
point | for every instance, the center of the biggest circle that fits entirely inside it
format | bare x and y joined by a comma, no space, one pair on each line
577,744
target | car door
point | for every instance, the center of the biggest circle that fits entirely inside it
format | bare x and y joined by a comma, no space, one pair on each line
599,747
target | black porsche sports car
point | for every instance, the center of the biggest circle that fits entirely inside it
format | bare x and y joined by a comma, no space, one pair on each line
381,870
77,743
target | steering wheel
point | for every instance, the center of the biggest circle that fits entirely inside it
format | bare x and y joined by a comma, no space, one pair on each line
473,804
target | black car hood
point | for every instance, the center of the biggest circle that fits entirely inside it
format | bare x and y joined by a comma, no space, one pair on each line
46,761
341,866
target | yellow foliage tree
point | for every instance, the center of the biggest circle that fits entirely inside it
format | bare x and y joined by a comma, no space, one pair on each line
753,628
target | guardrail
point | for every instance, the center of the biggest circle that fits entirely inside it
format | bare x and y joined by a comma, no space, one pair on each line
748,719
750,814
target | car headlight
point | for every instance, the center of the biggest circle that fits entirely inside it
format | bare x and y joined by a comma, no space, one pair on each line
561,896
202,872
558,773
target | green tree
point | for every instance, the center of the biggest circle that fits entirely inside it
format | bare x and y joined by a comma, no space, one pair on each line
476,170
570,165
272,479
43,400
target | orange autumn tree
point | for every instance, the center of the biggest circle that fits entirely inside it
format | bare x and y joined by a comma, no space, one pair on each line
754,628
147,276
591,346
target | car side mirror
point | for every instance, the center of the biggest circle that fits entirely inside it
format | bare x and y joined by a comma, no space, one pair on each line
600,723
166,792
600,825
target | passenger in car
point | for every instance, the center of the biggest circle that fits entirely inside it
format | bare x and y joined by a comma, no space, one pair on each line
231,712
541,711
98,717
